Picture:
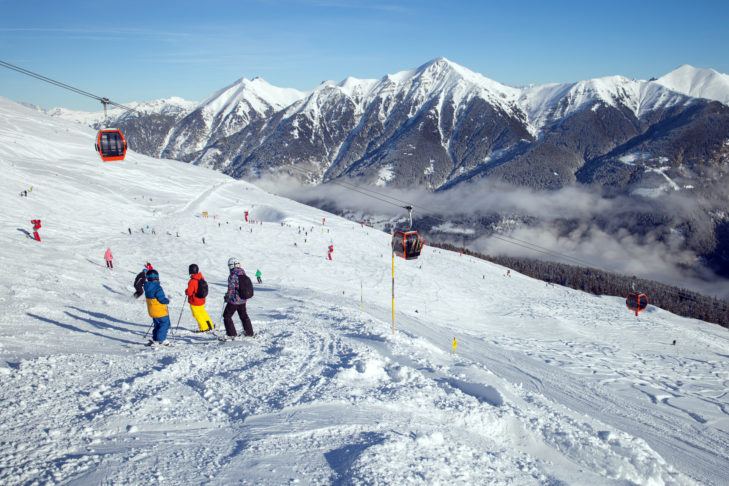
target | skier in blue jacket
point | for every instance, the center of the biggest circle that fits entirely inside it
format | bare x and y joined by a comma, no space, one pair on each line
157,308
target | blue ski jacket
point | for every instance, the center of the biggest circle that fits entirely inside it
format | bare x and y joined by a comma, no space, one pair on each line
156,299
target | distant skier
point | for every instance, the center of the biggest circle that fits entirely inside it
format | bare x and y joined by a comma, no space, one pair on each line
36,226
234,302
140,280
197,291
258,276
157,308
109,257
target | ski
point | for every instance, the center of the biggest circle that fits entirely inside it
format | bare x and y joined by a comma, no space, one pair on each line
239,337
151,346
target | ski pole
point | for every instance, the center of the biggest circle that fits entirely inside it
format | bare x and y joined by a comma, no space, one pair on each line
150,328
180,318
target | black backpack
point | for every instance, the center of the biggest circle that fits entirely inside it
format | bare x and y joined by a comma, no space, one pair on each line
245,287
202,289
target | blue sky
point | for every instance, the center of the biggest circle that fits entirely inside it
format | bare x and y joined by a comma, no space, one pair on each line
144,50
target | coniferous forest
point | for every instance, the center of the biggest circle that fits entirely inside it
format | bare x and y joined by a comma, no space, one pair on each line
598,282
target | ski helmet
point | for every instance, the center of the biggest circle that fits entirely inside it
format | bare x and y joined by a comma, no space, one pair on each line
233,262
153,275
193,269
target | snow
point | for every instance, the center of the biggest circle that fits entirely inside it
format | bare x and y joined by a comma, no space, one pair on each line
698,83
173,105
547,385
430,169
257,94
356,88
631,158
385,175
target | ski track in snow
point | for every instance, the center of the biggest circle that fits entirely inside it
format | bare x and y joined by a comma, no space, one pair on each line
547,385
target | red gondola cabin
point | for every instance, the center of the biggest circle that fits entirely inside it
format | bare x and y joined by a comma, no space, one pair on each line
407,244
111,145
636,302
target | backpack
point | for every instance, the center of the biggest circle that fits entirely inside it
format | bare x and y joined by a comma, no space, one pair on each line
202,289
245,287
139,282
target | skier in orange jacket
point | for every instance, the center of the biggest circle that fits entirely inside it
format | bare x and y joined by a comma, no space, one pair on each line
197,290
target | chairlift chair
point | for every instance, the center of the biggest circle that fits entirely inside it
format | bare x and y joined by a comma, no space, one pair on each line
636,302
407,244
110,142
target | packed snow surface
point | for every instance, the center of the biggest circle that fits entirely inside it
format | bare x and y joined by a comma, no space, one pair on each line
544,385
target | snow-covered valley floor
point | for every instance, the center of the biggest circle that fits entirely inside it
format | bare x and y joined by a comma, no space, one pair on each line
547,385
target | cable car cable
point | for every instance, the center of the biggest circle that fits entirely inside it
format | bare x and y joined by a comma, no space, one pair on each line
64,85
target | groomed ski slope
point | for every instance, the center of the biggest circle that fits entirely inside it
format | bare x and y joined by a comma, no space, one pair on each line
547,385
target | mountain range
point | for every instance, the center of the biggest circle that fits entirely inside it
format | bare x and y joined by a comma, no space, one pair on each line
441,126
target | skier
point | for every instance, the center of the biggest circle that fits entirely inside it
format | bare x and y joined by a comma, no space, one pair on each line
109,257
258,276
140,280
157,308
36,226
196,299
234,302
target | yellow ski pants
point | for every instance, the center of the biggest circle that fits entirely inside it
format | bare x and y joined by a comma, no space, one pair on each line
202,317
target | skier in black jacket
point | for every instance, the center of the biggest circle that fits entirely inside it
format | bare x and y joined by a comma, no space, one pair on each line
140,279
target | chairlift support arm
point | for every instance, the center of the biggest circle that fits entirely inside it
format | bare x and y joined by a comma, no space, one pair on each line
410,216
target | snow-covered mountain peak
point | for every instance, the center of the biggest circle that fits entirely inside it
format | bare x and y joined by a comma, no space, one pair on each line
549,102
257,93
174,104
698,83
445,79
443,74
170,105
609,89
355,87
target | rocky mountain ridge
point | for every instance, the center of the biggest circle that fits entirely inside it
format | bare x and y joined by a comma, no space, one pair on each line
440,124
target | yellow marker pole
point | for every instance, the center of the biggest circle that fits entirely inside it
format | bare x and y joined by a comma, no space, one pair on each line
393,291
455,343
361,295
